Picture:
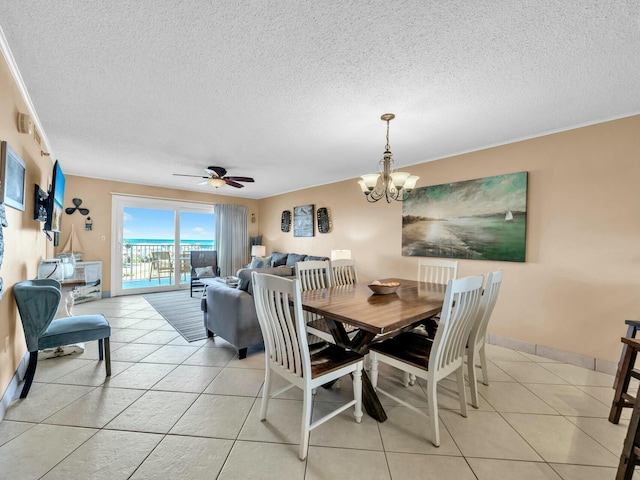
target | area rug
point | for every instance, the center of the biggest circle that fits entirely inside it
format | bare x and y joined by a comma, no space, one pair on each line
181,311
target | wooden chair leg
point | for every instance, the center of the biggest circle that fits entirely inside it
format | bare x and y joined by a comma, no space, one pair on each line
631,333
622,384
107,356
242,353
100,349
28,376
630,450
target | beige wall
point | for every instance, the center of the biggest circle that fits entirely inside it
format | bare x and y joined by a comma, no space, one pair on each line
24,242
581,279
96,196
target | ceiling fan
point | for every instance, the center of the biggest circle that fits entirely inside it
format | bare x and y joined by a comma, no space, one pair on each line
216,178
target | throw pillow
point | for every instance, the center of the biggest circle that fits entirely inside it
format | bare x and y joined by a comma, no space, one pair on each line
311,258
278,259
204,271
294,258
257,262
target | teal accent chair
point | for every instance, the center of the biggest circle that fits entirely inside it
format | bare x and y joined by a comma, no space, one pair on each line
38,302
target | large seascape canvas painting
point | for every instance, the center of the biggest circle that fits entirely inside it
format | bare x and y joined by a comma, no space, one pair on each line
481,219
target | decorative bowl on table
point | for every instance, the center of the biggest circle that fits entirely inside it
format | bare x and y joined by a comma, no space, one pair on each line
380,288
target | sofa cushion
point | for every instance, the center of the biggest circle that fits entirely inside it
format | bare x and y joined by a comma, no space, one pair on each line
257,262
311,258
244,275
294,258
278,259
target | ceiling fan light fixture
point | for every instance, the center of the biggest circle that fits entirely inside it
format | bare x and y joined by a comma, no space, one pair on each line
216,182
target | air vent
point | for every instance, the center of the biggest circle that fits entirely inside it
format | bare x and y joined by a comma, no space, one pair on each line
37,137
25,125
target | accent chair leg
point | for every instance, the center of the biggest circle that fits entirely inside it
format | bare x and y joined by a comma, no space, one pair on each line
209,333
100,349
107,356
28,376
242,353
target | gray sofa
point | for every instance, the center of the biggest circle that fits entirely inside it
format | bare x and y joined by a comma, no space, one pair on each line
229,312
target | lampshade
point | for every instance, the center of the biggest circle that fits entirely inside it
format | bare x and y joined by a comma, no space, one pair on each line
340,254
258,251
216,182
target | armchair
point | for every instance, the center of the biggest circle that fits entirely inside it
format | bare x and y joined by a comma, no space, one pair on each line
38,302
204,264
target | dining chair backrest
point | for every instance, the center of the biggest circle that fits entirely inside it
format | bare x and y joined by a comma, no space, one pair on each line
477,336
488,302
279,311
455,324
344,272
314,274
435,270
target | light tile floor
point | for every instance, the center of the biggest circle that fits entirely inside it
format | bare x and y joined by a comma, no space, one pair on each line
174,409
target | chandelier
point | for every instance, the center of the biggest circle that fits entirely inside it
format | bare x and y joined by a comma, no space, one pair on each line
387,183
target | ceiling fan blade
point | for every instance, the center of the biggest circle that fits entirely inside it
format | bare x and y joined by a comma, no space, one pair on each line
69,210
183,175
203,183
84,211
240,179
219,171
231,183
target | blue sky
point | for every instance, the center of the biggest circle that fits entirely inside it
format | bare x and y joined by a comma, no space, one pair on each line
158,224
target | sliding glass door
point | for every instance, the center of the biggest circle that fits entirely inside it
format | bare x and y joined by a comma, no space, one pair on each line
153,240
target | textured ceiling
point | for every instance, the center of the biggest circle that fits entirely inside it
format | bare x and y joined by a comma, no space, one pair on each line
291,93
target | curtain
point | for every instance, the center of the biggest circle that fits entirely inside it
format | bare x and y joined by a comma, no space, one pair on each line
232,237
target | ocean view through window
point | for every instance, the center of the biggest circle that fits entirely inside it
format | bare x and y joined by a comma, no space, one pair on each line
155,240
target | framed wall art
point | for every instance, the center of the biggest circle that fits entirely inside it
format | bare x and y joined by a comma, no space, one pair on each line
324,224
481,219
285,220
303,221
13,175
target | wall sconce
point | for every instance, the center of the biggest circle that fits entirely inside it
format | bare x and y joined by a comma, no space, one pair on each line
88,224
253,218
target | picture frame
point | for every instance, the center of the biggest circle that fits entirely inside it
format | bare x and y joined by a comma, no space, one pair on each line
479,219
13,177
303,221
285,221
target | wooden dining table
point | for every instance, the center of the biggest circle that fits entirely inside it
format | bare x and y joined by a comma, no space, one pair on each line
376,316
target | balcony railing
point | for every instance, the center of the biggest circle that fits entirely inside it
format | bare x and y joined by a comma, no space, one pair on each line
137,258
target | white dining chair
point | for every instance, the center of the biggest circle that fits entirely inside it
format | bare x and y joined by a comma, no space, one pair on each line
435,270
434,360
344,272
477,337
289,355
314,275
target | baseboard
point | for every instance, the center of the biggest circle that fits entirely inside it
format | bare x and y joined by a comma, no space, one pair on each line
13,390
592,363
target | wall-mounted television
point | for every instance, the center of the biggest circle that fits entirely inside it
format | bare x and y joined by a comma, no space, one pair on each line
55,200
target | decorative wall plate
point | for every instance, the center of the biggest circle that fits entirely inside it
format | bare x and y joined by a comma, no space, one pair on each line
285,221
